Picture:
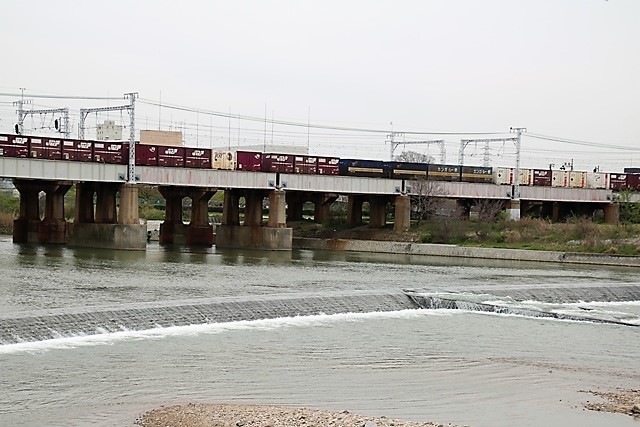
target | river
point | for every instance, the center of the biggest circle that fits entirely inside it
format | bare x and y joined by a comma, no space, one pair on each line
351,351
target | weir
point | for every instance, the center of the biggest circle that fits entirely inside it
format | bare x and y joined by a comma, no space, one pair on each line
452,301
608,293
51,324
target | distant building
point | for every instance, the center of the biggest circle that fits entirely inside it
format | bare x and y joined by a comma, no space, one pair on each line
161,137
108,131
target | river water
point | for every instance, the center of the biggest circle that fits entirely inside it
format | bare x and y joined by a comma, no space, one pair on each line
459,366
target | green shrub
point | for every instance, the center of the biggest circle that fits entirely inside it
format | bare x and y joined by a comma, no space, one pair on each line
6,223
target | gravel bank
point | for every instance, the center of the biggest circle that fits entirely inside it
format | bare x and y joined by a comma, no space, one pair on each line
234,415
621,401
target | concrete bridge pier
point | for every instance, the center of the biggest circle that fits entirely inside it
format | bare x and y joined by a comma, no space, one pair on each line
26,226
295,203
252,234
53,227
402,213
513,210
377,211
108,227
199,231
322,206
354,210
172,228
611,213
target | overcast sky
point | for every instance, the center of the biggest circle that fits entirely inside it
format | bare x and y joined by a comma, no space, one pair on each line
561,68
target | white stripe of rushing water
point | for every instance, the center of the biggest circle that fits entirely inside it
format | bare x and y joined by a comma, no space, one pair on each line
456,366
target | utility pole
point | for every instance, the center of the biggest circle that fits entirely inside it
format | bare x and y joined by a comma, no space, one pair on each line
392,143
131,107
516,184
20,104
131,176
465,142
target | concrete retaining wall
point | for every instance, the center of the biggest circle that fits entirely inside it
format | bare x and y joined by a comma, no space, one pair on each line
463,252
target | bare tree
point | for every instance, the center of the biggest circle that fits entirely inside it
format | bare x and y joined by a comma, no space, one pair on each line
425,198
489,210
413,157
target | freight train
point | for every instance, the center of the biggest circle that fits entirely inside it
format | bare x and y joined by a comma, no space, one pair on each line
204,158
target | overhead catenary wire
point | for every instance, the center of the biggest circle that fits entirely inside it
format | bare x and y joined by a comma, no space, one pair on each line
579,142
305,125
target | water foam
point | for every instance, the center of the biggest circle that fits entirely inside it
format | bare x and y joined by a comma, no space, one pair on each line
110,338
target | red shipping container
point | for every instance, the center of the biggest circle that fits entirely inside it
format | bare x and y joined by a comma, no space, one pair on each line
633,181
146,155
198,158
111,152
328,166
618,181
81,151
52,149
249,161
282,163
171,156
14,146
305,164
45,148
36,148
542,178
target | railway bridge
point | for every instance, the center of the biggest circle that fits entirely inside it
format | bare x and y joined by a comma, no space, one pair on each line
106,209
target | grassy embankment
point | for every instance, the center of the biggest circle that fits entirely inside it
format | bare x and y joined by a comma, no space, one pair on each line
576,234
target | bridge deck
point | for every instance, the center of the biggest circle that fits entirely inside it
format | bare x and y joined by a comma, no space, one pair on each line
100,172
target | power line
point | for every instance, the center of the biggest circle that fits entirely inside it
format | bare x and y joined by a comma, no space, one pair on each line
42,96
304,125
579,142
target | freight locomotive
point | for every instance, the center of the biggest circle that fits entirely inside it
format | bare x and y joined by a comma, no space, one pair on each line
40,147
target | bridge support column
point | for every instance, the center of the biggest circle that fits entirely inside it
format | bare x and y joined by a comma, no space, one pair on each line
253,207
53,228
354,210
172,228
513,210
612,213
84,203
402,217
106,212
231,208
377,211
556,211
322,206
199,231
295,204
252,235
277,209
108,228
25,227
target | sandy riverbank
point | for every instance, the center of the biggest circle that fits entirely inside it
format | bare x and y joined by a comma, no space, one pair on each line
237,415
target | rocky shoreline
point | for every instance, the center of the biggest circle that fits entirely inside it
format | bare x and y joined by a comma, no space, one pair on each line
239,415
245,415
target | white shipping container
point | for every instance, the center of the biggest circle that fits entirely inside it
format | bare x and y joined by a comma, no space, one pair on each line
223,160
526,177
559,178
504,176
597,180
577,179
